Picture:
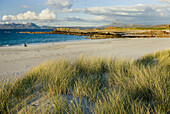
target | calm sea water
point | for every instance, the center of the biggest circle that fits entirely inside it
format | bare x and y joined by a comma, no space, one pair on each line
13,37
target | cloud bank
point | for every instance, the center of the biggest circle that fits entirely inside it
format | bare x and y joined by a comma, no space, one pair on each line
94,19
60,4
43,15
139,13
165,1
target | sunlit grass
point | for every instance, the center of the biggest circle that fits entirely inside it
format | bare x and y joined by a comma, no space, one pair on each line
137,28
92,85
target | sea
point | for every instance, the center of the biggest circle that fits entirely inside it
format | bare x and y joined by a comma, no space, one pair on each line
13,37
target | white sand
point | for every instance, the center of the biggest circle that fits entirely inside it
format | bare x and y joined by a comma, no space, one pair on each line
16,60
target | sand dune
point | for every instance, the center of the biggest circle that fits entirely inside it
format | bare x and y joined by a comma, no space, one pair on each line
16,60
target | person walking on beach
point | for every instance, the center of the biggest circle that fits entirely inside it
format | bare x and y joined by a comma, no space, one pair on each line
25,44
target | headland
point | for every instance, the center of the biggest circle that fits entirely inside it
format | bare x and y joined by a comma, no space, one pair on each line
112,32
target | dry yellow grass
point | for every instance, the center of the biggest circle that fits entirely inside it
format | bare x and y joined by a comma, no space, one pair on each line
92,85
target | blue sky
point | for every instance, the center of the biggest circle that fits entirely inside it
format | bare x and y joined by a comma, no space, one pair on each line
85,12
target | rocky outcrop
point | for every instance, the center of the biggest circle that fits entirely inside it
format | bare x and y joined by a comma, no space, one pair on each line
97,34
93,34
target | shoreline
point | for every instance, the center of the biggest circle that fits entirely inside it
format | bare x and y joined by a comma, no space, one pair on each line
42,43
16,60
108,33
1,46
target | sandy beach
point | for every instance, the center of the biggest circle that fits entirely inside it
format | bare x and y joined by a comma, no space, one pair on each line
16,60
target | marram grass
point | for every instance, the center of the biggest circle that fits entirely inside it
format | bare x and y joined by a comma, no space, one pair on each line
92,85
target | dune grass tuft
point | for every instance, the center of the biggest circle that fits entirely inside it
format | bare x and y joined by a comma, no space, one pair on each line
92,85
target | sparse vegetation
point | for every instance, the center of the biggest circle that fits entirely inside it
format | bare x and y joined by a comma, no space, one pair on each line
92,85
113,32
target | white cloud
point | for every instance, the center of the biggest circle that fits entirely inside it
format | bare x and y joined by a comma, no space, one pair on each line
1,22
94,19
46,15
5,17
60,4
25,6
164,1
140,13
43,15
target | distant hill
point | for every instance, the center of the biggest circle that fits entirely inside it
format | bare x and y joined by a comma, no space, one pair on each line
71,27
122,25
47,27
159,26
19,26
131,25
116,24
34,26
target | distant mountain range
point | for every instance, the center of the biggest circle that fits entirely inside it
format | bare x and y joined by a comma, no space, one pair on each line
19,26
22,26
33,26
114,24
131,25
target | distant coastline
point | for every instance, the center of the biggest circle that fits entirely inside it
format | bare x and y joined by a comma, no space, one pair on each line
102,32
110,32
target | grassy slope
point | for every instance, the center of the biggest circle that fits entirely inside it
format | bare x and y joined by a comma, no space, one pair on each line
137,28
92,85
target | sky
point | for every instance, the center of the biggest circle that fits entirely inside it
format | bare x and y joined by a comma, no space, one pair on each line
85,12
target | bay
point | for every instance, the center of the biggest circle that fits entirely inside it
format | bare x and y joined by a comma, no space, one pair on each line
11,37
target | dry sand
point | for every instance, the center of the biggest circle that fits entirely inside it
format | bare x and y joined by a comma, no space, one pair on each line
16,60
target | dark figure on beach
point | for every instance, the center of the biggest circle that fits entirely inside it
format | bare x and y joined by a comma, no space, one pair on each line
25,44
